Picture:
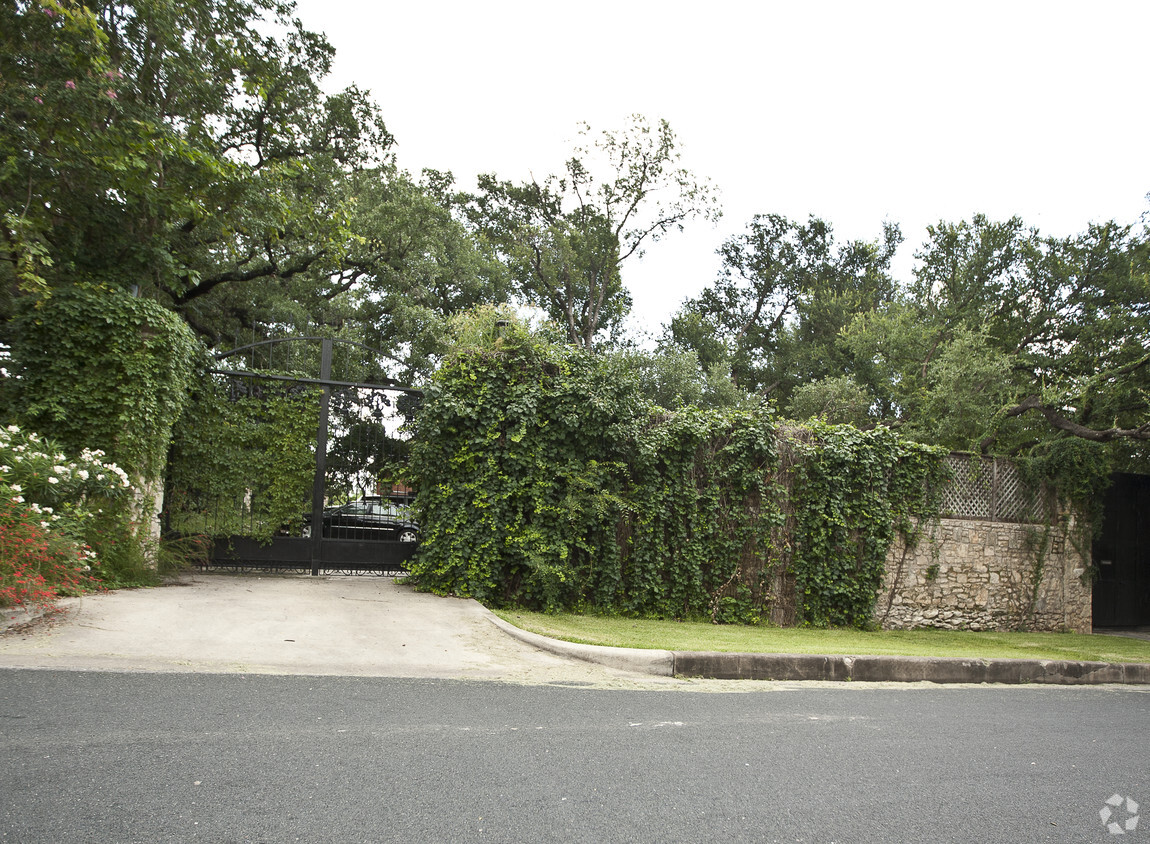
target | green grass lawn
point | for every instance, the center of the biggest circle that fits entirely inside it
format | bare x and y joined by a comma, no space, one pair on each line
694,636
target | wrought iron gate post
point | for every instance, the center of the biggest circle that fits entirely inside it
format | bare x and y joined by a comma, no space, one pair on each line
320,458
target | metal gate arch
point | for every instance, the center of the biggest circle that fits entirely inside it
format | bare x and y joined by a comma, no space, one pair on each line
318,547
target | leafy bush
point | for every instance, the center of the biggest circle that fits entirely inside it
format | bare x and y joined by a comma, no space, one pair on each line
52,517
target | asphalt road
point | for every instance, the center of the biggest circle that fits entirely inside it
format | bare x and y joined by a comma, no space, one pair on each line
173,757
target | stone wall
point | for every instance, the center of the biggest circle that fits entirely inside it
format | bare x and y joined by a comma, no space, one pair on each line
979,575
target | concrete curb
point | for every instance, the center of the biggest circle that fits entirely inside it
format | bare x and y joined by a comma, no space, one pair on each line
638,660
887,669
906,669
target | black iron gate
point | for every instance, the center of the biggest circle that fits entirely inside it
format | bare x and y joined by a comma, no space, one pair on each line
278,497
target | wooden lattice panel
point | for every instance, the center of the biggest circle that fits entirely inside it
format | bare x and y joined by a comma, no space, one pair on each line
969,495
1014,500
990,489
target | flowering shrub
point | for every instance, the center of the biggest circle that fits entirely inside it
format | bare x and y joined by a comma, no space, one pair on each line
49,506
38,563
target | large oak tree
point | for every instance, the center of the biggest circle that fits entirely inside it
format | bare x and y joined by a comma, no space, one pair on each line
179,147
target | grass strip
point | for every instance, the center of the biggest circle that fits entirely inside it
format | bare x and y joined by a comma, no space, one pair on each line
698,636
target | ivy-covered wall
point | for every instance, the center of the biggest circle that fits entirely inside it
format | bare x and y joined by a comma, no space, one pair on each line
545,480
856,492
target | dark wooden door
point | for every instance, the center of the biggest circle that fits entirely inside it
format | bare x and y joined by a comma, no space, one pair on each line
1122,555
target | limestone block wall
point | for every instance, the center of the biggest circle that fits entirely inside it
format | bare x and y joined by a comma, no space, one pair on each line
981,575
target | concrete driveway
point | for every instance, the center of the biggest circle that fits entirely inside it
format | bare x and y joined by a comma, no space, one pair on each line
274,624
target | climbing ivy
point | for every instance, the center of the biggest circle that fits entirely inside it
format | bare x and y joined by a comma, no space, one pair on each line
546,480
242,464
856,491
519,458
702,515
100,369
1070,476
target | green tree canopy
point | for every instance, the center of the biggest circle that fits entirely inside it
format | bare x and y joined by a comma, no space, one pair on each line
184,149
784,292
566,238
174,146
1007,337
1004,340
411,266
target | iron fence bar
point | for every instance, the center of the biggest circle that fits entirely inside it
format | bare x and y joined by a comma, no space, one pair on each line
320,460
275,340
318,381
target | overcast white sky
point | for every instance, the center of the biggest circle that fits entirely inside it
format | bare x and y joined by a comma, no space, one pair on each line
858,112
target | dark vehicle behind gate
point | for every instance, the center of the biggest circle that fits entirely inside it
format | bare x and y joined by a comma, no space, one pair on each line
372,517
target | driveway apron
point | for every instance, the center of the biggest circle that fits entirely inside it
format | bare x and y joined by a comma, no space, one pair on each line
270,624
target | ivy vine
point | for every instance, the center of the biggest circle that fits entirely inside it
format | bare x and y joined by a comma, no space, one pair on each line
100,369
855,492
242,464
545,480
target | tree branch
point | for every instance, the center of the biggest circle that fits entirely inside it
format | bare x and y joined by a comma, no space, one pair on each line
269,268
1061,423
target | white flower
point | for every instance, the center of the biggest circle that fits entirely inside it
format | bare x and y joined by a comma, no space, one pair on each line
53,480
19,499
60,470
17,488
12,429
45,525
5,468
83,473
